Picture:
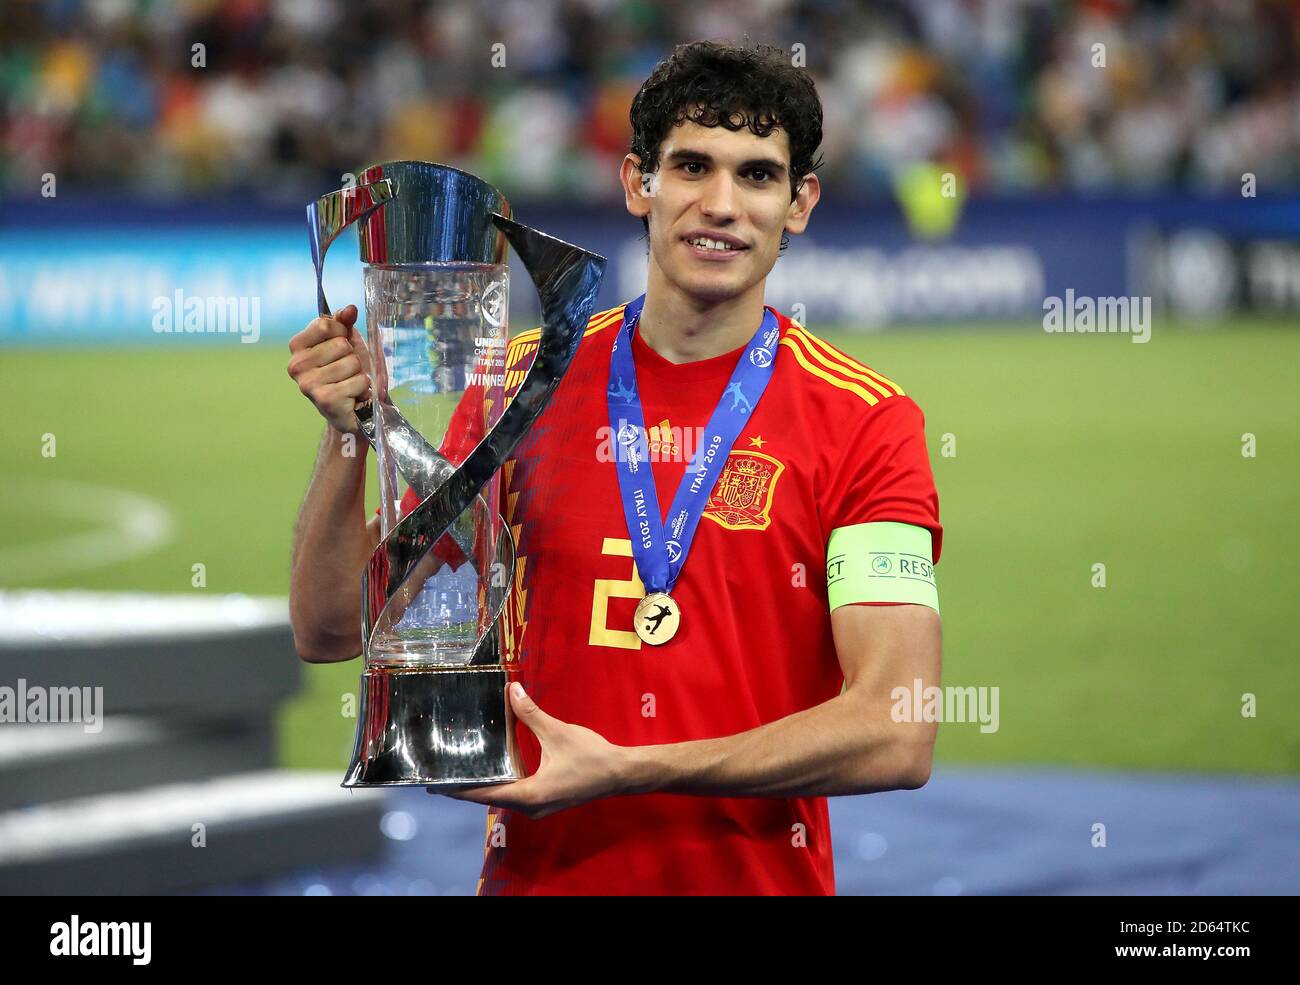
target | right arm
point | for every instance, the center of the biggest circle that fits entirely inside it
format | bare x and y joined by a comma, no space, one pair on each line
332,541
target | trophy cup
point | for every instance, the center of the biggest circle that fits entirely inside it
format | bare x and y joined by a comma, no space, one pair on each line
433,707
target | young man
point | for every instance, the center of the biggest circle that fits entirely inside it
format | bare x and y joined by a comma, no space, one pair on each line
694,689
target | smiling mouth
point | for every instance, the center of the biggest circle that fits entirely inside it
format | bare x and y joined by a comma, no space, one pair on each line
705,244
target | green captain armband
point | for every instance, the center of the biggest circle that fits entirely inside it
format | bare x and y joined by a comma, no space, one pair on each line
881,562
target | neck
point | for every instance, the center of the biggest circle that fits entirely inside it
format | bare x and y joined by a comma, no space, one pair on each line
683,329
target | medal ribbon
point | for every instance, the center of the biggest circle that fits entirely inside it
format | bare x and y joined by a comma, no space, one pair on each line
660,553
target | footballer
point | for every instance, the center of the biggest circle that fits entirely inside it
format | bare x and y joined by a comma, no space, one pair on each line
710,632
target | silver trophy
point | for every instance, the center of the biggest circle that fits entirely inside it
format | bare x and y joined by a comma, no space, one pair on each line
433,239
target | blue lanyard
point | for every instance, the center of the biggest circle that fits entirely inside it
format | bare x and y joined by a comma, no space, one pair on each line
659,558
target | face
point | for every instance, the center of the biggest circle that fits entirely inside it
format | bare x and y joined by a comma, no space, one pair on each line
717,207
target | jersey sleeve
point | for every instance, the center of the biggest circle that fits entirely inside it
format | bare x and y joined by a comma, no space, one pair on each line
883,473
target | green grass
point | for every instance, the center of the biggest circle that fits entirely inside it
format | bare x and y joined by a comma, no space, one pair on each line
1070,451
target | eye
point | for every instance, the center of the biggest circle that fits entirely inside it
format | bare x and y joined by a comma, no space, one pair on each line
687,165
761,175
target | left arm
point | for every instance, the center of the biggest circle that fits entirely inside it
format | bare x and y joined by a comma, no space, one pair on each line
847,745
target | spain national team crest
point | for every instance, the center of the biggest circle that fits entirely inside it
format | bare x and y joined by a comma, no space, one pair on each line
742,498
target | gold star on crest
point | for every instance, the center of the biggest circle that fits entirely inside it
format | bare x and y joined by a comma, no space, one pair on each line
757,441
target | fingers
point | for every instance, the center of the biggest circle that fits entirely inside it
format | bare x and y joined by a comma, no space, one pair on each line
358,344
347,315
331,365
321,354
335,390
527,709
519,795
332,372
355,387
320,329
524,705
473,795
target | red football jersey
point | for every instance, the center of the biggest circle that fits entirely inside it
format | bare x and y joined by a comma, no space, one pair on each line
830,443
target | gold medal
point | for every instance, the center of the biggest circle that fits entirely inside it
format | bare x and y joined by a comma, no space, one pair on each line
657,618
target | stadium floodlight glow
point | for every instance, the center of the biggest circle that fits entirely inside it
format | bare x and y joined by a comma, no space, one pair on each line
434,239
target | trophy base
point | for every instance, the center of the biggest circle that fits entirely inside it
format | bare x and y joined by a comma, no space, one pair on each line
433,726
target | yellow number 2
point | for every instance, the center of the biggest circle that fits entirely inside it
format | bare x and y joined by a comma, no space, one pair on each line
614,588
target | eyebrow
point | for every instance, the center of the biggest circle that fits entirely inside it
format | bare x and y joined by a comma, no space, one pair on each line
685,154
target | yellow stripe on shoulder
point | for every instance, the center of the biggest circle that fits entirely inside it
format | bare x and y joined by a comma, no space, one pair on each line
518,349
602,319
523,338
816,369
832,358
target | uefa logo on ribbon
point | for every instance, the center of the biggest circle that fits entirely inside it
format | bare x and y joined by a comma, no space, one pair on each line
628,434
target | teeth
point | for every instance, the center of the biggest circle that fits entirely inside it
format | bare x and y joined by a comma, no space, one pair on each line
710,244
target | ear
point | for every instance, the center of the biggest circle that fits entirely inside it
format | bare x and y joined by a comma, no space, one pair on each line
636,186
796,219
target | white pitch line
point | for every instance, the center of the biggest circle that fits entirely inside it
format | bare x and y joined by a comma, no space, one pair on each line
132,525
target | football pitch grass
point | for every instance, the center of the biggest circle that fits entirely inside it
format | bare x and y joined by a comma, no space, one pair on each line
1052,454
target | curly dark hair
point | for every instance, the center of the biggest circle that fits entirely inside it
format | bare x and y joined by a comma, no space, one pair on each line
728,85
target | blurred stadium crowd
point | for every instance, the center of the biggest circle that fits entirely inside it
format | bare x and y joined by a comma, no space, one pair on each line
286,95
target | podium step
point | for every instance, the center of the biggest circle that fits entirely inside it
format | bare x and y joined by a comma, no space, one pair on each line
167,656
43,763
182,836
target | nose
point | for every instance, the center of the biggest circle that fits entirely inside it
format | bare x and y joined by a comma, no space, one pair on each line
718,198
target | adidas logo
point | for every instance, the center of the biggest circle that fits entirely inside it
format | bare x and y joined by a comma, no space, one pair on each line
663,442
